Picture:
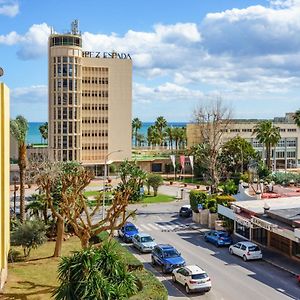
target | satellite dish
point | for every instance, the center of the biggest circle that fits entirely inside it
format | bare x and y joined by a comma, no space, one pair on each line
1,72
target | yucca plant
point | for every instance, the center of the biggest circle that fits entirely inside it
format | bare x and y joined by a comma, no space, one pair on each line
95,273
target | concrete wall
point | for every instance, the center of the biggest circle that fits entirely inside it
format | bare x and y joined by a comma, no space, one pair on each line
4,181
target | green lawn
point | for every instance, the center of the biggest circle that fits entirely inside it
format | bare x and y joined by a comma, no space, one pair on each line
157,199
36,278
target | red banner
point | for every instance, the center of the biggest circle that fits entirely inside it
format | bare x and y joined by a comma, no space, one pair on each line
182,161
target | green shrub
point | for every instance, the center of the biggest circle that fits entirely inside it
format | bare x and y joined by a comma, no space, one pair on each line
197,197
29,235
155,181
224,199
95,273
14,255
229,187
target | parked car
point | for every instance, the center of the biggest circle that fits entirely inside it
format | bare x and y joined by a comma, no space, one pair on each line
246,250
218,238
185,211
193,278
127,232
167,257
143,242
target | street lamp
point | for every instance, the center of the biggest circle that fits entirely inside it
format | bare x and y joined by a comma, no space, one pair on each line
104,179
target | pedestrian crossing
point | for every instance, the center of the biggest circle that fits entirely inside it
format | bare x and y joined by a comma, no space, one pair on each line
165,226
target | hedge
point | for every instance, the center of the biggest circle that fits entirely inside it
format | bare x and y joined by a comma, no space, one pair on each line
197,197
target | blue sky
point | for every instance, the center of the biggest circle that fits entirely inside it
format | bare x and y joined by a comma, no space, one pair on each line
184,52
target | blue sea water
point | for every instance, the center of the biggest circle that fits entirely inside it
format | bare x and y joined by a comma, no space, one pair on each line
34,135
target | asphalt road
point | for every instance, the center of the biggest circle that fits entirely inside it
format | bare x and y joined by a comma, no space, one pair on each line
232,278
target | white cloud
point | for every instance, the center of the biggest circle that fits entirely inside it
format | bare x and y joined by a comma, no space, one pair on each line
9,8
32,44
31,94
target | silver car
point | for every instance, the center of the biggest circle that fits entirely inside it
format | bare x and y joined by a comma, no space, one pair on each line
143,242
246,250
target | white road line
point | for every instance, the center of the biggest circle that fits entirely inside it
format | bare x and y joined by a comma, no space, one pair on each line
145,227
153,226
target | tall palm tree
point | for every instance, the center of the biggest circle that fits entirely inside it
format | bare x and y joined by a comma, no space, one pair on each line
44,131
19,129
297,117
136,126
182,137
161,124
177,136
153,136
269,136
169,135
140,138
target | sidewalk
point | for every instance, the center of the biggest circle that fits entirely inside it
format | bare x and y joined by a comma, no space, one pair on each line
281,261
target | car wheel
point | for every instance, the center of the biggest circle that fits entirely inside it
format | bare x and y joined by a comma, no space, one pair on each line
163,269
187,289
174,278
230,251
218,245
205,239
245,258
153,263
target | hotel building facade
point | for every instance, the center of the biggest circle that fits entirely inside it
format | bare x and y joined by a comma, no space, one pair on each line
4,182
90,102
287,151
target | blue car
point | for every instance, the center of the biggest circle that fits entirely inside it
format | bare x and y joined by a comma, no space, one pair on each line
218,238
127,232
167,257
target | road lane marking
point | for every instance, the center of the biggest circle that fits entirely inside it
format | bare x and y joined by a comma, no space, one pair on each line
145,227
153,226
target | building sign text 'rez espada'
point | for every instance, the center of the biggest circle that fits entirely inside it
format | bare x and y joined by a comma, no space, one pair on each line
95,54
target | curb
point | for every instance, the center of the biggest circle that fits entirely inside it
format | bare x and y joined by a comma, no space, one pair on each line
280,267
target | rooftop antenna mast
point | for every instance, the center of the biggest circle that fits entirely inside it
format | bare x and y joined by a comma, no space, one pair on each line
75,27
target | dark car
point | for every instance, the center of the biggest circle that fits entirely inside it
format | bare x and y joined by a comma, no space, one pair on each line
185,211
218,237
128,231
167,257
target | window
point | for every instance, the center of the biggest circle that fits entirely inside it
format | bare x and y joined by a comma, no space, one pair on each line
65,84
70,127
65,113
280,154
70,113
65,59
59,70
292,130
291,154
70,98
65,128
281,143
70,142
70,84
235,130
291,143
65,70
65,141
58,99
65,98
70,70
282,129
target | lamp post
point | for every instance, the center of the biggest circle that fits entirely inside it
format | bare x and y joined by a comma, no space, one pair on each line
104,179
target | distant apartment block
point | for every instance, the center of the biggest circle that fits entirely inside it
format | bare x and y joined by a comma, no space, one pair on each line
287,150
90,102
4,182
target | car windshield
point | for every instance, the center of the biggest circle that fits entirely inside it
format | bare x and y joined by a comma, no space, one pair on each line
253,248
170,253
199,276
146,239
223,234
184,208
130,228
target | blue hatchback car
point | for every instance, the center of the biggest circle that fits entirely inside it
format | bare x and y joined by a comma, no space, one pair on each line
167,257
127,232
218,237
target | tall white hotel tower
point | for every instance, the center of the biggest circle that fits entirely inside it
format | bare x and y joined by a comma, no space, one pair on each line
90,102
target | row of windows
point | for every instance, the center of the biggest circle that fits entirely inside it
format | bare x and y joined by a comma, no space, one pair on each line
95,69
251,130
289,154
95,107
95,80
65,113
66,40
64,70
65,85
66,59
95,94
95,121
65,142
65,98
99,133
65,127
65,155
95,147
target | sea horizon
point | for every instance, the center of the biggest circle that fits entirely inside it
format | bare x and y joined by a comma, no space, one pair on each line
34,136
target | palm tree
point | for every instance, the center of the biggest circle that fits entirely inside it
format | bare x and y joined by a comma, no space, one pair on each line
136,126
153,136
182,137
160,125
269,136
296,117
44,131
140,138
177,136
169,135
19,129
